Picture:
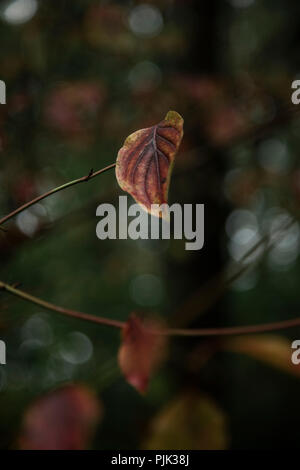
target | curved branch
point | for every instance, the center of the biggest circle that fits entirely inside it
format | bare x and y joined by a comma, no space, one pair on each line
55,308
237,330
83,179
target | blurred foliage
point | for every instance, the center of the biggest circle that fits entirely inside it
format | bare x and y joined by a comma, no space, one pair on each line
81,76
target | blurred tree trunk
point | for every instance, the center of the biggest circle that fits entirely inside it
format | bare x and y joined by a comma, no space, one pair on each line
201,266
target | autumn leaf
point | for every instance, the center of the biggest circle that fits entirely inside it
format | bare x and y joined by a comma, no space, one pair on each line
191,421
141,351
270,349
145,161
61,420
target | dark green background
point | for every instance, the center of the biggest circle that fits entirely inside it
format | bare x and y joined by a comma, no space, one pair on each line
220,65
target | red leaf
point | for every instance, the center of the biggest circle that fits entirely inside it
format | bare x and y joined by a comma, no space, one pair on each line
144,163
141,351
61,420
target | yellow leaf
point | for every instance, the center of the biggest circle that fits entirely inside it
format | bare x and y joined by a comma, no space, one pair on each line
192,421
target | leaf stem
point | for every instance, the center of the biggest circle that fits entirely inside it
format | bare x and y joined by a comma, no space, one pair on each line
83,179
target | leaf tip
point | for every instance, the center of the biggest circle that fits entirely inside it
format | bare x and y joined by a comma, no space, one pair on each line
174,118
139,383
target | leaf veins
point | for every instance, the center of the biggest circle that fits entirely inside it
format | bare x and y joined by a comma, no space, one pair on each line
145,161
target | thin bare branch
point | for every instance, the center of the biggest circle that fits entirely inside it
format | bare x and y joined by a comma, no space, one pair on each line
55,308
83,179
203,298
234,330
238,330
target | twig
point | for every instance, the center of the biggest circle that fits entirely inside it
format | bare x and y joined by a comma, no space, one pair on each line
234,330
64,311
238,330
83,179
204,297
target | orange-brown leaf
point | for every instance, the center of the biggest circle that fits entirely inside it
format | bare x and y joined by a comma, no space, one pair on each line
141,351
60,420
145,161
272,349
